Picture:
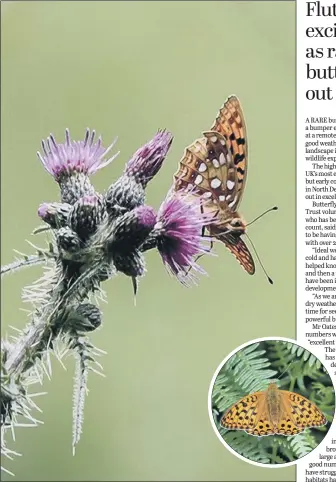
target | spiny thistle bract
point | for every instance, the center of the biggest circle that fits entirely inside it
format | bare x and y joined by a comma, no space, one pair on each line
93,237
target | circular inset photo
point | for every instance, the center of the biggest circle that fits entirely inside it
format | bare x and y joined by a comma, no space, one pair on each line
271,402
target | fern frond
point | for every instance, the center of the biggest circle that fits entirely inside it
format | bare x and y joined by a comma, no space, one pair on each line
245,372
248,446
282,451
302,444
280,357
304,354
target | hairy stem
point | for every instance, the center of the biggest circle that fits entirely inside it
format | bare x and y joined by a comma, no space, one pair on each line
22,263
46,325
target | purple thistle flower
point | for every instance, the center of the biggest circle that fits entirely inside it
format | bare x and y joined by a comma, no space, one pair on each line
84,156
179,230
148,159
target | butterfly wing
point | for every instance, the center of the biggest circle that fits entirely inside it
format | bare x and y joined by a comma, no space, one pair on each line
205,166
299,413
216,164
237,247
215,167
231,124
248,414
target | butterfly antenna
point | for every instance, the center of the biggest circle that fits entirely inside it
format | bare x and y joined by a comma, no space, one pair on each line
287,369
257,255
274,208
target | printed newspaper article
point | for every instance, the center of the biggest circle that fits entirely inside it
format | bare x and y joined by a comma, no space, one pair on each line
316,205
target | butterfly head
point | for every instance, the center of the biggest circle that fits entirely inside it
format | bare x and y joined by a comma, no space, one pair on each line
237,226
220,226
273,387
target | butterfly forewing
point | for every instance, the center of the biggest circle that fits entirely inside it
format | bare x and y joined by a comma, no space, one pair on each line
303,412
244,414
231,124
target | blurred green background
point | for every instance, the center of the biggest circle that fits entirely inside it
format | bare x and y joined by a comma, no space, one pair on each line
126,69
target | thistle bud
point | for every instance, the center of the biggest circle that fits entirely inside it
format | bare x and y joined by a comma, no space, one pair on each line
147,161
130,230
67,240
86,317
86,215
124,195
131,264
54,214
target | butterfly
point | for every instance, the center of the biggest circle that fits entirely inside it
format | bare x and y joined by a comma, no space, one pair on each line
273,412
215,166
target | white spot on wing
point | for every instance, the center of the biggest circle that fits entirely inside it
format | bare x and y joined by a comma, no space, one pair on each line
198,179
233,202
215,182
213,138
207,195
221,159
215,163
202,167
222,142
230,185
222,198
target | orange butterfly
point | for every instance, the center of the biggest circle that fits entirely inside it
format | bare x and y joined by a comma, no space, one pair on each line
273,412
215,165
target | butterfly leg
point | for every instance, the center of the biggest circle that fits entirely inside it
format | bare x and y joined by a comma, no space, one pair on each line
203,235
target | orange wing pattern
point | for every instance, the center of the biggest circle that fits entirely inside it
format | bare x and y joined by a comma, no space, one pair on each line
208,166
245,414
231,124
238,248
273,412
215,166
304,413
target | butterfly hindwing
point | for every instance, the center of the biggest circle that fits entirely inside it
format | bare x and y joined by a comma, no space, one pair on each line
207,166
222,174
237,247
193,158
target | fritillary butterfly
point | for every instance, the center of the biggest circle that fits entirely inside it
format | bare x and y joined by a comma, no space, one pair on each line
273,412
215,166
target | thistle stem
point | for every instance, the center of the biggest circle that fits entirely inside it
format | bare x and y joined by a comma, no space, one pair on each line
22,263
